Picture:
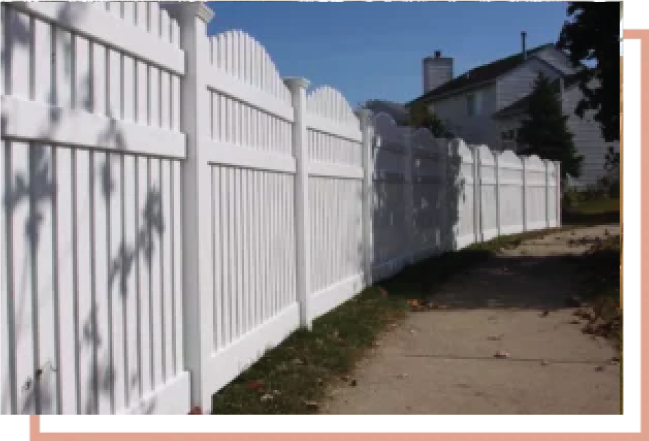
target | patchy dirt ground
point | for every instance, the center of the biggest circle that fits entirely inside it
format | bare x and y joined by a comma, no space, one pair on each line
443,361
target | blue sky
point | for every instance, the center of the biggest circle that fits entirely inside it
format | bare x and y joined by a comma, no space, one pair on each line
374,50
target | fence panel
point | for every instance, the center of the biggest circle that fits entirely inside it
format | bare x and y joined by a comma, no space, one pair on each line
428,165
389,216
462,191
249,155
553,194
86,223
536,193
335,200
487,173
511,193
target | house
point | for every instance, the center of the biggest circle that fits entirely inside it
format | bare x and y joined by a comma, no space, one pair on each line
487,104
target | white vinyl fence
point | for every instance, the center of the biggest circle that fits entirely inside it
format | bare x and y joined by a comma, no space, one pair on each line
172,207
434,195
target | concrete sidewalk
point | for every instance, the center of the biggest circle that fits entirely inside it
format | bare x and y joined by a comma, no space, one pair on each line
442,361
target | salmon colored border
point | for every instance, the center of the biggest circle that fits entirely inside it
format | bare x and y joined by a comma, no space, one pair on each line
35,434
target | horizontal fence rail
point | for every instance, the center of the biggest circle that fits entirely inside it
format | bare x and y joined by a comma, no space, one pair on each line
173,207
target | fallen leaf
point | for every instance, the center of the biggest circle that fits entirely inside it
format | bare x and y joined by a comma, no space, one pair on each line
195,411
320,382
501,354
312,405
599,368
588,329
255,385
353,383
545,313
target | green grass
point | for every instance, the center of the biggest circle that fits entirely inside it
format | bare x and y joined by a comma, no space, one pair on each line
599,206
592,212
296,373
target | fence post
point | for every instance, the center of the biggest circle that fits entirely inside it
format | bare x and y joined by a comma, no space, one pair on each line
445,228
497,162
476,193
479,187
196,212
558,178
547,194
524,161
367,149
298,87
408,196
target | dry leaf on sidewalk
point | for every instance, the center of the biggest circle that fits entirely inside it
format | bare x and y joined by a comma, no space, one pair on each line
502,354
311,405
255,385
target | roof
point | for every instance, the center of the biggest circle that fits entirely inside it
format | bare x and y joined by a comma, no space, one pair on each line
481,74
520,106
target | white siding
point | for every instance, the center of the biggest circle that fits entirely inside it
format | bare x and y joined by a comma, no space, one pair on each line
475,129
557,59
588,139
520,82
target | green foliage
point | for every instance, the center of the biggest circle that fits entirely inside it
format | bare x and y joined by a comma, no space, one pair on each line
421,117
545,132
593,35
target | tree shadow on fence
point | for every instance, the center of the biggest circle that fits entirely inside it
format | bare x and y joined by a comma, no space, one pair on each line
36,188
438,192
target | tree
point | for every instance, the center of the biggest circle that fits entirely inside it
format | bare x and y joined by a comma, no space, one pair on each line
421,117
593,35
545,131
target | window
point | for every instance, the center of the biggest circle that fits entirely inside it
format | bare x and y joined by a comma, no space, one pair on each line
473,104
470,105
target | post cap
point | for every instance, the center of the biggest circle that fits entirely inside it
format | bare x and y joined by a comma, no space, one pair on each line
191,9
294,83
363,114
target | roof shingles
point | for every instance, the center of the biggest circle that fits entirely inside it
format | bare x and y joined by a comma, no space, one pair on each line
479,75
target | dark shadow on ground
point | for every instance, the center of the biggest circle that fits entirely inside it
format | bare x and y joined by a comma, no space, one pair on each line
513,282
